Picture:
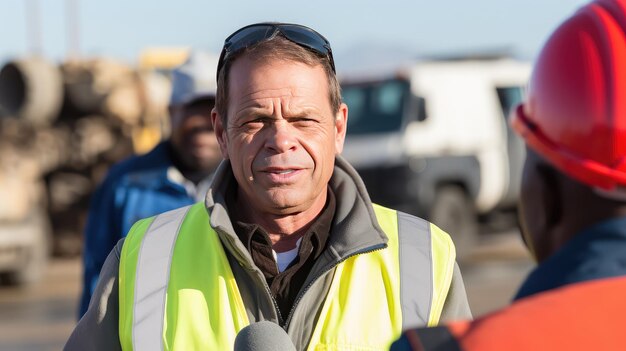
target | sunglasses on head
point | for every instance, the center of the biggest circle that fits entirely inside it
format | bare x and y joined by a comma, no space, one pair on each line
256,33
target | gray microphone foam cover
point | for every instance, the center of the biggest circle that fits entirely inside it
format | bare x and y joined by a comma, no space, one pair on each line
263,336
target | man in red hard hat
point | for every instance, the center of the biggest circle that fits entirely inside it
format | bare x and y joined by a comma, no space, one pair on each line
573,202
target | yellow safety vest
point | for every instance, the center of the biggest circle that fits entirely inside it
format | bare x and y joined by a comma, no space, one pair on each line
201,307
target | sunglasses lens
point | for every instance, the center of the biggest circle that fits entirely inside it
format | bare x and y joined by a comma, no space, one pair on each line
306,37
249,36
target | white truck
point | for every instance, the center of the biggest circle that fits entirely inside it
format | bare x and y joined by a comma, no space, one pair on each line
432,139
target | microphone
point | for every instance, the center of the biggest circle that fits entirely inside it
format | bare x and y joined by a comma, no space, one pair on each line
263,336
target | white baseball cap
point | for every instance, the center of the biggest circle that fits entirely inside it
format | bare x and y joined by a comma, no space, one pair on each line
194,79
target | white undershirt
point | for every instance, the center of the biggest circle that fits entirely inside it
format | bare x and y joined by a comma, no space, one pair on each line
283,259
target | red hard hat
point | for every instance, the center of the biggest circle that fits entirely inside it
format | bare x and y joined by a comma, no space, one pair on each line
575,114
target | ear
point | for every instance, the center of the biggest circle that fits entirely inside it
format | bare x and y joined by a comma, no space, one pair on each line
341,122
551,196
540,207
220,132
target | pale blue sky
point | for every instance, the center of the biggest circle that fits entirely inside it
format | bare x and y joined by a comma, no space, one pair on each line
121,28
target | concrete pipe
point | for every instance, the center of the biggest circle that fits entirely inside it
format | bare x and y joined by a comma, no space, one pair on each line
142,101
31,89
89,83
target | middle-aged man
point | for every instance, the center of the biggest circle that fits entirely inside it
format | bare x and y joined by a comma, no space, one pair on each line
287,233
573,203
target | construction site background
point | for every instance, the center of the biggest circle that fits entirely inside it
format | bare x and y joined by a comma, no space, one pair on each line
62,125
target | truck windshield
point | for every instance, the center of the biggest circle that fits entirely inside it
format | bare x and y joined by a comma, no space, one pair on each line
375,107
509,98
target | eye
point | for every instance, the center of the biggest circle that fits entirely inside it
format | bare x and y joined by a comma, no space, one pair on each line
304,121
255,122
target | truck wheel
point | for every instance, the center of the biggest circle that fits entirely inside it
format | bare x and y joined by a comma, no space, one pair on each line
453,212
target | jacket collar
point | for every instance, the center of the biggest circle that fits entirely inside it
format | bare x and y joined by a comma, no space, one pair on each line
354,228
163,174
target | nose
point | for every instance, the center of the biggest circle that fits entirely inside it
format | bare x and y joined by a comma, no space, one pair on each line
281,137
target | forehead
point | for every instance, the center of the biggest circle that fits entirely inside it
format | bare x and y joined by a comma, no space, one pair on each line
258,79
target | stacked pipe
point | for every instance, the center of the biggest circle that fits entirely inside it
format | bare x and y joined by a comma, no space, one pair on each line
69,123
31,89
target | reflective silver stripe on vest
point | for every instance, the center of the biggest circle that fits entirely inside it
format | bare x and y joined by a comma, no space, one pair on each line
152,276
416,273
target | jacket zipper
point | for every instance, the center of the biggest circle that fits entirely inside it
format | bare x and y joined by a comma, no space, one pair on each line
257,273
303,292
269,294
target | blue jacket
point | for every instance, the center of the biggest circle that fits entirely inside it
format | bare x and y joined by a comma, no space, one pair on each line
595,253
138,187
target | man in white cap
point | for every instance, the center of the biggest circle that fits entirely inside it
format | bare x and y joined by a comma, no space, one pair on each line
176,173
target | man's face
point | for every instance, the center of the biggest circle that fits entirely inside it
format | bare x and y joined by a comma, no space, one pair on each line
281,135
193,137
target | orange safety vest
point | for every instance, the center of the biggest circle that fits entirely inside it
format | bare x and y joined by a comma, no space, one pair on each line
581,316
